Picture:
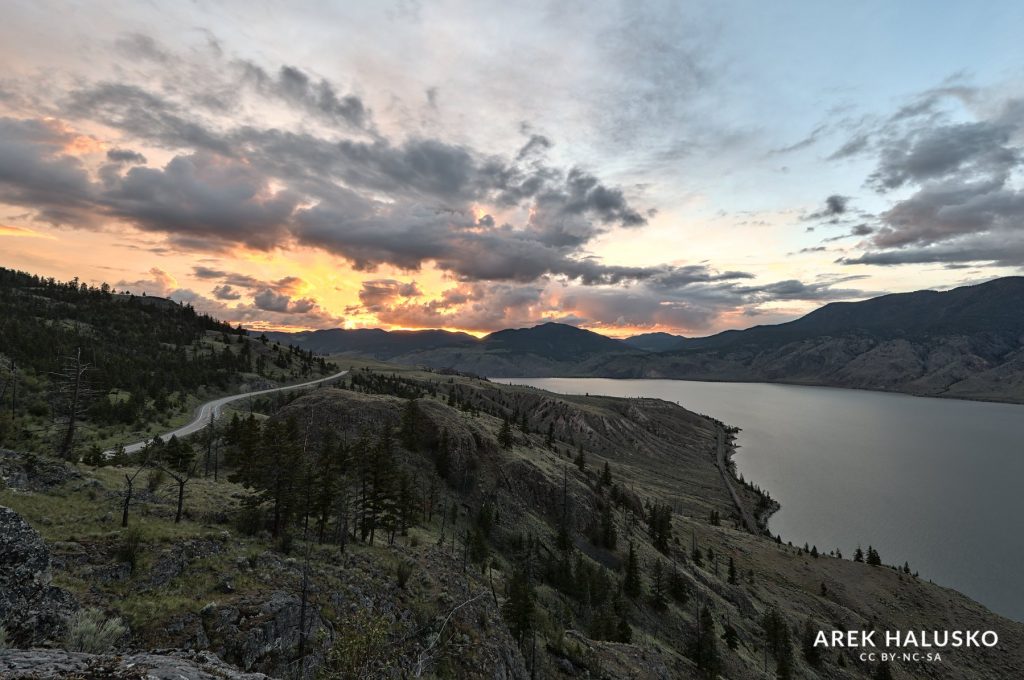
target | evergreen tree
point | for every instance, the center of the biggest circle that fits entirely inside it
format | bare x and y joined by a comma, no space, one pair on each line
609,537
505,435
631,582
442,457
678,589
730,636
659,526
409,430
658,586
703,647
581,459
874,559
732,571
519,607
858,555
811,653
606,475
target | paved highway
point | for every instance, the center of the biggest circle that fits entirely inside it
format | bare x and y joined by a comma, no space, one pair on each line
202,418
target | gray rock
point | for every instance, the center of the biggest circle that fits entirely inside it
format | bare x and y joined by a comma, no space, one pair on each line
32,609
41,664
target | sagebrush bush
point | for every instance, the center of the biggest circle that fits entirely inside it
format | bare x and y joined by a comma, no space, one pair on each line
91,632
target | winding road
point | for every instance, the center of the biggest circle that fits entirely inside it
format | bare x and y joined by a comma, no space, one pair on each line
213,408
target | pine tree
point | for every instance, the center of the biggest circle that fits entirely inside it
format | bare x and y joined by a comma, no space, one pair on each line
811,653
409,430
442,457
606,475
505,435
874,559
581,459
678,589
609,537
858,555
519,607
730,636
704,647
658,586
732,571
631,582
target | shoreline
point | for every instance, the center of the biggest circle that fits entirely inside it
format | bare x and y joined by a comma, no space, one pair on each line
789,383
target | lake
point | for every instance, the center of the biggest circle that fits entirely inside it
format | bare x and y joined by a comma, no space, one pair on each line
935,482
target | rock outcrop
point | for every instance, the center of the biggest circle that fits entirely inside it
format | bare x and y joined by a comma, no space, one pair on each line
42,664
31,609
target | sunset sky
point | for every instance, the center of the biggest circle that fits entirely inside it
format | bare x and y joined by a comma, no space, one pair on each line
622,166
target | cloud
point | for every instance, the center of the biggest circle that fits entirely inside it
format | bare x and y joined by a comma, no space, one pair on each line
316,96
959,193
21,232
272,301
126,156
929,153
376,295
835,205
226,292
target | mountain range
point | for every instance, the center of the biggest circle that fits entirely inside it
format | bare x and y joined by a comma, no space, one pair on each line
967,342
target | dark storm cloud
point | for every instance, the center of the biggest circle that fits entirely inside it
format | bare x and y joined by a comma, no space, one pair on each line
36,173
125,156
203,195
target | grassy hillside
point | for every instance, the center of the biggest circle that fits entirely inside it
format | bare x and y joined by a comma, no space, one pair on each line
437,525
145,363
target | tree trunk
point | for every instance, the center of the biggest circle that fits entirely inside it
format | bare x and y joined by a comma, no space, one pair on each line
181,500
69,434
127,501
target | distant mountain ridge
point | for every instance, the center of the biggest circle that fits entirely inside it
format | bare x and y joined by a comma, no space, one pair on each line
966,342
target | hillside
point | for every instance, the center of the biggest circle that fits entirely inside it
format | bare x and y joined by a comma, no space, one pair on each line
429,525
544,350
965,343
116,366
373,342
656,342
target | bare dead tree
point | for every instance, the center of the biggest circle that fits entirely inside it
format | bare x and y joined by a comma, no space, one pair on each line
178,460
71,394
129,486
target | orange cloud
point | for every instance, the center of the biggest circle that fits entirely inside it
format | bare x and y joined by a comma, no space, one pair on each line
10,230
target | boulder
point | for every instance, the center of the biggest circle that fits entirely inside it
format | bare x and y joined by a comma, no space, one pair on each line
31,609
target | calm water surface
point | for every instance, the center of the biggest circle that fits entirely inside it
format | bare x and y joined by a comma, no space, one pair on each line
936,482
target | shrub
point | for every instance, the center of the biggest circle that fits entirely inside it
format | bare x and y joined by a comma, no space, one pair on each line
91,632
404,572
155,479
130,547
